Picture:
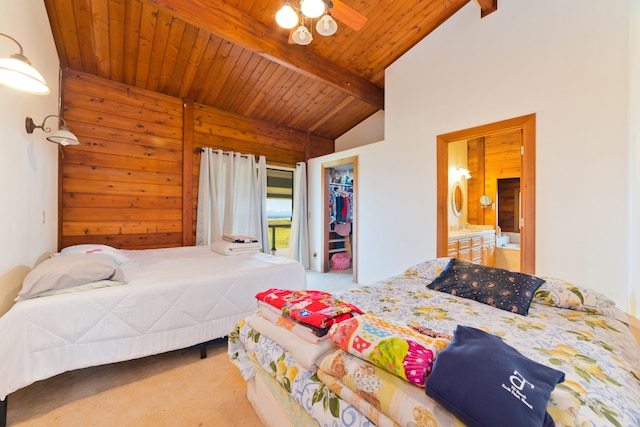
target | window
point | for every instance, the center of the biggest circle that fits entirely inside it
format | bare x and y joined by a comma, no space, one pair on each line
279,208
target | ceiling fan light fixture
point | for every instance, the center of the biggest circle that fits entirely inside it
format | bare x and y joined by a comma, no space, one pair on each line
312,8
287,17
326,26
302,36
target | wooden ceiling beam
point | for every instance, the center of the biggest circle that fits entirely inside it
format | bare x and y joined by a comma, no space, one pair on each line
487,7
231,24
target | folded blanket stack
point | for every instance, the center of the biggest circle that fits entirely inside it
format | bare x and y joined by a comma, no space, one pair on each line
238,238
299,322
240,245
315,310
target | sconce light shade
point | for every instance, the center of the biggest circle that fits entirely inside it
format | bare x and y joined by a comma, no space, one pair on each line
16,71
464,173
486,201
302,36
326,26
62,136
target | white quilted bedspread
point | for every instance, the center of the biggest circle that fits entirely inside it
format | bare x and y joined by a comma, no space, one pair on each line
174,298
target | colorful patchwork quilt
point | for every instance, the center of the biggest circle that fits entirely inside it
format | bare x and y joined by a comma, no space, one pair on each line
596,352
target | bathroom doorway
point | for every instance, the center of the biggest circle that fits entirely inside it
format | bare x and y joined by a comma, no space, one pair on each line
508,205
339,187
525,126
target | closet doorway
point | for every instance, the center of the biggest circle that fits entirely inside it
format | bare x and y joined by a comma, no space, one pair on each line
527,126
339,187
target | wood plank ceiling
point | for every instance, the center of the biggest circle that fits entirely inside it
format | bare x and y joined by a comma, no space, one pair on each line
231,55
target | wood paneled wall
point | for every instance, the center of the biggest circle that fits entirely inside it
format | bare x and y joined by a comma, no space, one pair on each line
133,181
490,158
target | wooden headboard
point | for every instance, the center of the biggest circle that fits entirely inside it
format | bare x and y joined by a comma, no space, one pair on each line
11,282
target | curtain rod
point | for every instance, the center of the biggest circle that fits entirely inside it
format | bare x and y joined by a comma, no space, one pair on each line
224,153
199,150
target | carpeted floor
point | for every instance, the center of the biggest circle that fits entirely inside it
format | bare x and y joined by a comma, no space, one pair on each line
172,389
331,281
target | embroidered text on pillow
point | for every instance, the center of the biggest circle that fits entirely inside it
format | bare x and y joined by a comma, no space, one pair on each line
517,388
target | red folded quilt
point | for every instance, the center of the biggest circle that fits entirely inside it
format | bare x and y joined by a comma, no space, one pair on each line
314,308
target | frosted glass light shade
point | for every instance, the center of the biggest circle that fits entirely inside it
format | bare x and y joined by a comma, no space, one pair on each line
326,26
17,72
287,17
312,8
302,36
64,137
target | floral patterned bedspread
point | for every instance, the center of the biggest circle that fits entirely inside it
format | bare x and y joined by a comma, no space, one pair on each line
597,353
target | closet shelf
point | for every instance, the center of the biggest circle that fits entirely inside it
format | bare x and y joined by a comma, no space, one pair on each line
337,240
332,251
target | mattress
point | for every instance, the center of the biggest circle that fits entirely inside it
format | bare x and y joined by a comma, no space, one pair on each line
173,298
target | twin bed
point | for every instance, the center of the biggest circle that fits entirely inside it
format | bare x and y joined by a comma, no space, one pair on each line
158,300
165,299
579,336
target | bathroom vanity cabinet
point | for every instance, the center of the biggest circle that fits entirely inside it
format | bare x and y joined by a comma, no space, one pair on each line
478,246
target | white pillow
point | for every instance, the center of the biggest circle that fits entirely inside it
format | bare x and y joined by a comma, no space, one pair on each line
70,270
80,288
114,253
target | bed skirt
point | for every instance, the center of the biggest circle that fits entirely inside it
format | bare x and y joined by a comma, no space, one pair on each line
273,405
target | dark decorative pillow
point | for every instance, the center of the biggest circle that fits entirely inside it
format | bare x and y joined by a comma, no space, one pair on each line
486,383
503,289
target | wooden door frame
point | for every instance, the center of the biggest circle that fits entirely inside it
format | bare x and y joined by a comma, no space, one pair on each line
527,125
326,217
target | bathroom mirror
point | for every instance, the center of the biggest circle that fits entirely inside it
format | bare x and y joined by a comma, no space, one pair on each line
456,199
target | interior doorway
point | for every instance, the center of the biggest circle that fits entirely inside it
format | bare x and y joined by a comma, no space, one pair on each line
525,125
339,187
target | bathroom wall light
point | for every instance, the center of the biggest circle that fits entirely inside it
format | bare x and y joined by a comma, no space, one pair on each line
462,172
62,136
16,71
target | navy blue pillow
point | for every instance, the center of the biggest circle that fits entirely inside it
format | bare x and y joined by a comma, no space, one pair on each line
485,382
503,289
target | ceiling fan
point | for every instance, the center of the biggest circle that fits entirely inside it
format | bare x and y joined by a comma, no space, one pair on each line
346,15
289,17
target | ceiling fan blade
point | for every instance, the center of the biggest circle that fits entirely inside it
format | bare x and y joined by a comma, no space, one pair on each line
347,15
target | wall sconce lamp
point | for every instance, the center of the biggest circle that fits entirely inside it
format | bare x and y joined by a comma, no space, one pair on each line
62,136
16,71
462,172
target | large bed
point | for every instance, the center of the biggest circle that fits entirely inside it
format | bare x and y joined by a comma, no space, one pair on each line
576,333
164,299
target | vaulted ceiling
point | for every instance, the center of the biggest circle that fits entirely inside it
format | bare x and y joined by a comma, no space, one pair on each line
232,55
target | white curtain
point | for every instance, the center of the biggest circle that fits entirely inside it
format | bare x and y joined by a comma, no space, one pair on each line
262,203
227,196
299,239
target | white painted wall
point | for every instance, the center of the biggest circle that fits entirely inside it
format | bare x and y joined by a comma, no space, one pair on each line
634,158
28,163
569,63
369,131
